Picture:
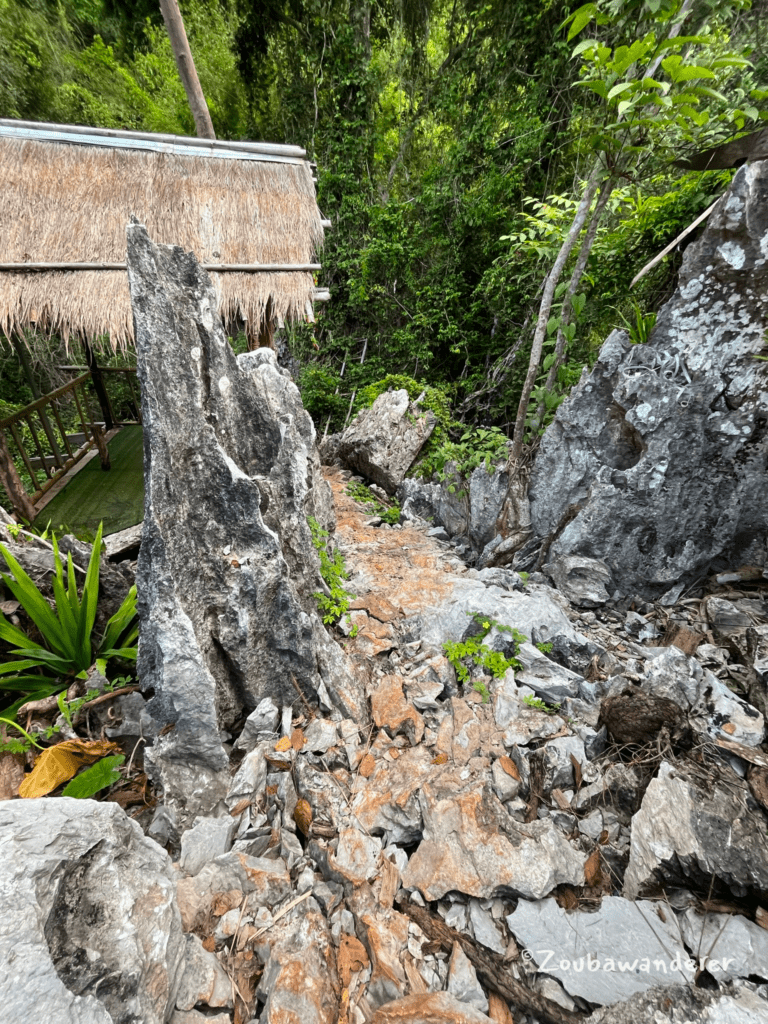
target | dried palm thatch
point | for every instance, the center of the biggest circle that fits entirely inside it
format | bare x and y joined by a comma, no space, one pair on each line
71,203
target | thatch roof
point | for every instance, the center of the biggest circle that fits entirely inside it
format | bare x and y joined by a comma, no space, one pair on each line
65,202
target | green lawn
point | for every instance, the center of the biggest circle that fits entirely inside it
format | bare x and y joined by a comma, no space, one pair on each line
115,497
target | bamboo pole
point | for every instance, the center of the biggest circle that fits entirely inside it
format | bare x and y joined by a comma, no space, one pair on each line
174,24
218,268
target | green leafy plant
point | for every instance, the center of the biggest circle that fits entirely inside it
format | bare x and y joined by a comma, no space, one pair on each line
67,647
545,646
334,572
539,704
365,497
473,652
639,330
99,776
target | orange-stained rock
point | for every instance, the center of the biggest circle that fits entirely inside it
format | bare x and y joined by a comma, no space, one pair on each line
388,801
472,845
391,711
378,607
299,984
357,856
429,1008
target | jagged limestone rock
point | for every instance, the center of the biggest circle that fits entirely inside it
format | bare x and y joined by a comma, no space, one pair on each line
382,442
663,446
227,568
90,930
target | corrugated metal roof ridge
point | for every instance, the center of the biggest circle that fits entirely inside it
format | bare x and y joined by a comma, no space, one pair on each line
112,137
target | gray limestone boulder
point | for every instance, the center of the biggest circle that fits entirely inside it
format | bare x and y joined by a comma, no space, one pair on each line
686,1005
487,492
586,582
227,568
704,832
606,956
663,446
90,932
383,441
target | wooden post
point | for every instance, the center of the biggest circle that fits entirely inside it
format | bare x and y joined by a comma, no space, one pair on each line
11,481
174,24
101,444
98,384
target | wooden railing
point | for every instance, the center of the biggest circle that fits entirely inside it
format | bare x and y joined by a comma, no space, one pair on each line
45,449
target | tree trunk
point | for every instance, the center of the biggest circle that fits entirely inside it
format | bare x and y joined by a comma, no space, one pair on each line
578,272
547,299
11,481
187,71
98,384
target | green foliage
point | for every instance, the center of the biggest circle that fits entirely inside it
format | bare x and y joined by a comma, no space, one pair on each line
640,329
99,776
545,646
365,497
471,653
334,572
67,647
540,705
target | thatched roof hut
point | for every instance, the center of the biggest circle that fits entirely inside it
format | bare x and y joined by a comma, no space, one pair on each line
67,193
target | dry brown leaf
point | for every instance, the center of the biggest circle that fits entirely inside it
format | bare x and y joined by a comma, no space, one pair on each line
592,872
440,759
297,739
367,766
11,775
761,917
283,744
209,944
567,899
576,771
9,607
61,763
561,800
350,958
303,816
509,766
126,797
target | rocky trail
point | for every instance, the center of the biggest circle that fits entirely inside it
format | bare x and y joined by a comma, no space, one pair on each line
487,793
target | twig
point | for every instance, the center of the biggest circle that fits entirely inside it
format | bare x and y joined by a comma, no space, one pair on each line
491,968
281,913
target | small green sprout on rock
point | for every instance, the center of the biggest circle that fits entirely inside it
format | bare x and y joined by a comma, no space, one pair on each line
333,572
472,652
539,705
364,496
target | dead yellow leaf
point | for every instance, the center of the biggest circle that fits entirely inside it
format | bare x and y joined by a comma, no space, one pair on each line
282,745
367,766
440,759
61,763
